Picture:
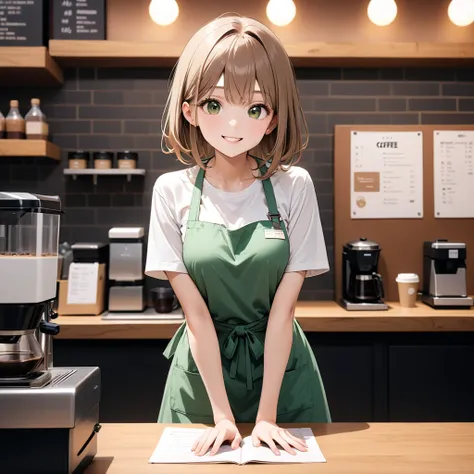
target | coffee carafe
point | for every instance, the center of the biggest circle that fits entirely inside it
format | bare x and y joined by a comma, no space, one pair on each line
362,285
41,406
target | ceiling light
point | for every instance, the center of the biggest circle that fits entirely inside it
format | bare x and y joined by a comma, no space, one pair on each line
461,12
163,12
281,12
382,12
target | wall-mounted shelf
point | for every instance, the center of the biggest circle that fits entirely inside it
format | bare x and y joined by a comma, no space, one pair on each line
151,54
25,65
108,172
29,148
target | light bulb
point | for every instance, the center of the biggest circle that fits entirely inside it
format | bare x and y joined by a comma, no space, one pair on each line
382,12
281,12
461,12
163,12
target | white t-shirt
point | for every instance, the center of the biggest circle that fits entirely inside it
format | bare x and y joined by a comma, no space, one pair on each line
296,200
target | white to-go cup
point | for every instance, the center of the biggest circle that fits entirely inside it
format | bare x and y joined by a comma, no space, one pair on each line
407,289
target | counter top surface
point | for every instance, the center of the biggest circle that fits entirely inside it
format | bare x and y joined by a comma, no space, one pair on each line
349,448
314,316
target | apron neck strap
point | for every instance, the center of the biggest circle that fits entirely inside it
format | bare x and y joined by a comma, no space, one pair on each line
196,198
273,213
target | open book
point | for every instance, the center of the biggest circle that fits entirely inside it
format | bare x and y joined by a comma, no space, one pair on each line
175,446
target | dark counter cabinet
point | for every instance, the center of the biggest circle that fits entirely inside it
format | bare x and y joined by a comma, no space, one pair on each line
396,377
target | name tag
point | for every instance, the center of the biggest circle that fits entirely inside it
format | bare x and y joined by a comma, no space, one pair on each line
274,234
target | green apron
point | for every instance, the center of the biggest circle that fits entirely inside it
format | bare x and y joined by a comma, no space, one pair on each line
237,273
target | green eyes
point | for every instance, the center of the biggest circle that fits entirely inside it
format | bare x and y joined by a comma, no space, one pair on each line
213,107
255,112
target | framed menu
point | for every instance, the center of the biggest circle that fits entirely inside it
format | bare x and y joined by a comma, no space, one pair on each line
453,152
23,22
79,19
386,175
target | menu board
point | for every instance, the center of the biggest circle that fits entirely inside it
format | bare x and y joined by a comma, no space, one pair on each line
22,22
454,173
79,19
386,175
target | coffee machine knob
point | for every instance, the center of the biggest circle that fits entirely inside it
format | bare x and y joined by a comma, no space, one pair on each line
49,328
53,314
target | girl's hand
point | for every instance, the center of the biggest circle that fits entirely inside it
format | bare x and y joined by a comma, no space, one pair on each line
225,430
270,432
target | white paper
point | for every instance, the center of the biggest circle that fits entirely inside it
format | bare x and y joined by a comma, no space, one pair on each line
82,283
386,175
453,164
265,454
174,447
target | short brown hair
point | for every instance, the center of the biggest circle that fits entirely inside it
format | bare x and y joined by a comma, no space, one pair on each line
244,51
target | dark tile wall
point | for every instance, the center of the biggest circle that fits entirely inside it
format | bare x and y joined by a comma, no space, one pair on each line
117,109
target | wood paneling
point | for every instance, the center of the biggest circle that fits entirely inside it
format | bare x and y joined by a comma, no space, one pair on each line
341,21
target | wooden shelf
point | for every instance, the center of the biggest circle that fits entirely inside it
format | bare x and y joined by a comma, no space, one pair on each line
107,172
147,54
114,53
24,65
29,148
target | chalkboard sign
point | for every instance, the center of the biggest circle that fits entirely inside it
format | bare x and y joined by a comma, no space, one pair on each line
79,19
23,22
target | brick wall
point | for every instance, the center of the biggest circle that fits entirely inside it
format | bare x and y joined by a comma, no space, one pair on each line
119,109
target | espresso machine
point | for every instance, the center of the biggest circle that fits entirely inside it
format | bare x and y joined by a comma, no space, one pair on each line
362,285
48,415
444,275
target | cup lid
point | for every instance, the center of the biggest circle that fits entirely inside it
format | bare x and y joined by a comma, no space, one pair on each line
407,278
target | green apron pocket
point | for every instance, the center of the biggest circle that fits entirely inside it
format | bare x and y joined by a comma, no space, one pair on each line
188,395
295,392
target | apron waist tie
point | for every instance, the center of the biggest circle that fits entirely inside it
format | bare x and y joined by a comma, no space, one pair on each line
240,342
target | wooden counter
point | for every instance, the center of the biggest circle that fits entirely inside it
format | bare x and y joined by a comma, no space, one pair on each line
314,316
349,448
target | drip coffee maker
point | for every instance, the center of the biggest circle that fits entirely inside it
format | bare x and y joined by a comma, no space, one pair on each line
42,408
362,285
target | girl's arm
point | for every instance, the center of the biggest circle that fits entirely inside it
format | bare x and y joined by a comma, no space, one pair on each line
203,343
278,341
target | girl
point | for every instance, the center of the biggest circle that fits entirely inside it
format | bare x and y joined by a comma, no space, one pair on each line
236,234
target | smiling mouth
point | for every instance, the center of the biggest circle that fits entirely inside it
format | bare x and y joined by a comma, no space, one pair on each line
231,139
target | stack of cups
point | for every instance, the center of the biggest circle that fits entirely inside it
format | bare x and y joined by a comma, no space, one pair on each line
407,289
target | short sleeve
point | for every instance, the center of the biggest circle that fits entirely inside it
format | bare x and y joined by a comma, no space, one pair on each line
307,246
165,247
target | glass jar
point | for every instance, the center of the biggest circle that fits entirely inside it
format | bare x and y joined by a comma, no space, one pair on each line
127,159
36,125
103,160
78,160
14,122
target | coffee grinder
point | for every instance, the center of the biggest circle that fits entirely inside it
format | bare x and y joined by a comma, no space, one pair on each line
48,416
362,285
444,275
